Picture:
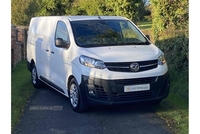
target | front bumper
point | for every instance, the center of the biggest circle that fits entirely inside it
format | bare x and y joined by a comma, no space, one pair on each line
108,92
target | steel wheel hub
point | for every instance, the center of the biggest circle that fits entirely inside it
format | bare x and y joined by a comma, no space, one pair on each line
34,76
74,95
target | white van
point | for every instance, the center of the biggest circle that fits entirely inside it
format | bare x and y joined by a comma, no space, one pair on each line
96,60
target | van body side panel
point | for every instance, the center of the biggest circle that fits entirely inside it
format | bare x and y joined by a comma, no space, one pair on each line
43,54
30,43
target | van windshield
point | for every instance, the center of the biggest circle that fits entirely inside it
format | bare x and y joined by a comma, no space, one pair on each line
96,33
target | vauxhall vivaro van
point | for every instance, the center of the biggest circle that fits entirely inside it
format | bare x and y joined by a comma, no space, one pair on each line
96,60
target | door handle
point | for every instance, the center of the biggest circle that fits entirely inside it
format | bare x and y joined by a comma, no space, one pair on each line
47,50
52,52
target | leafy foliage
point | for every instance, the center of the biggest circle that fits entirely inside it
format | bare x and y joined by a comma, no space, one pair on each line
133,10
21,15
176,51
53,7
169,14
170,29
170,34
18,15
90,7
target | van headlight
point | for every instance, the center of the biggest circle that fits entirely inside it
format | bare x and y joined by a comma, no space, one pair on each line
161,60
91,62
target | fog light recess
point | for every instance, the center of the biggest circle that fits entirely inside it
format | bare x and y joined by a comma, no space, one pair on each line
91,93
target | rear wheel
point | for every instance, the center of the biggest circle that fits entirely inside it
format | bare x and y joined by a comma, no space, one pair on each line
76,101
35,81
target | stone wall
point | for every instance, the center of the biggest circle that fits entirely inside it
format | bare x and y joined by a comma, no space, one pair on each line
18,44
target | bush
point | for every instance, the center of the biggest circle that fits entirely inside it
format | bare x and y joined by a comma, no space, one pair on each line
176,54
170,33
169,14
176,51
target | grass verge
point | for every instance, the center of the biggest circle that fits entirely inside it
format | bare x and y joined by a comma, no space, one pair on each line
174,109
175,112
21,89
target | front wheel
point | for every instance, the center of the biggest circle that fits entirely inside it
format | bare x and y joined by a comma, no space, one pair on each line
76,101
35,81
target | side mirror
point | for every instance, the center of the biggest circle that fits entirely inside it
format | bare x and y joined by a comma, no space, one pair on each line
148,37
61,43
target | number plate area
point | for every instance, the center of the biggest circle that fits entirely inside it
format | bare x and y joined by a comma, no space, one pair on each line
133,88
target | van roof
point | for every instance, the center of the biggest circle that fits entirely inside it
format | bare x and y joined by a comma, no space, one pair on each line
78,18
75,18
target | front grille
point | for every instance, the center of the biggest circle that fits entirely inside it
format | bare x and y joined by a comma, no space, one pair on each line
135,81
140,95
125,66
102,94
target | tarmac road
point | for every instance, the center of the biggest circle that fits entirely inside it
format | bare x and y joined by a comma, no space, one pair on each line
49,112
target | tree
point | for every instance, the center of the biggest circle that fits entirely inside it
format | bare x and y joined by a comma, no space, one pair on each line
21,15
134,10
18,15
53,7
90,7
169,14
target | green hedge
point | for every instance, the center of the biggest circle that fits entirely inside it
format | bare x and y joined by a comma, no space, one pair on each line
170,34
176,51
176,54
169,14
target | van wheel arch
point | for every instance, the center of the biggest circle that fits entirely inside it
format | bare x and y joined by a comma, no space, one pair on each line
75,96
68,82
32,63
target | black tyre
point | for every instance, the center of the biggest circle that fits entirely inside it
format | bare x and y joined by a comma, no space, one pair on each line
34,77
76,101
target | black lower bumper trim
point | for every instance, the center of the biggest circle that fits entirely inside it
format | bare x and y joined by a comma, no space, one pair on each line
108,92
